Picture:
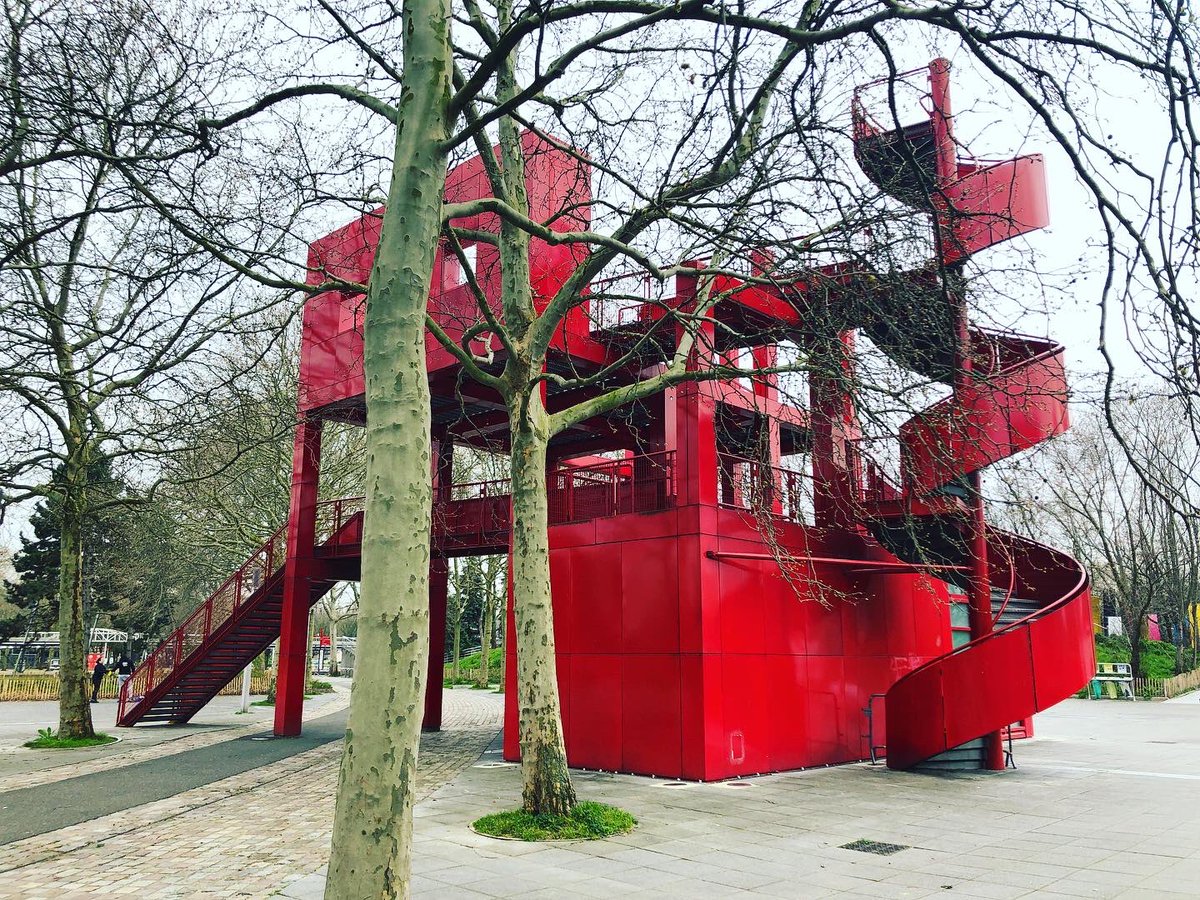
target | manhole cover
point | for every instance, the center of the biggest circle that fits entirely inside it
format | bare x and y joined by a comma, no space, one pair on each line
877,847
674,784
738,784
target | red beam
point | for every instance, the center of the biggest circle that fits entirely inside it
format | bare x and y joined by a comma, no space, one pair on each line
872,565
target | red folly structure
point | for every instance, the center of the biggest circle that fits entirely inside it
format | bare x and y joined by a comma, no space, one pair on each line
736,590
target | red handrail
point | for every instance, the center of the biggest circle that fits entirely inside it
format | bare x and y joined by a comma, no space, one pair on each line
784,493
918,729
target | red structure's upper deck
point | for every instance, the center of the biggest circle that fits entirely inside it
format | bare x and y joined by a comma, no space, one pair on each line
559,188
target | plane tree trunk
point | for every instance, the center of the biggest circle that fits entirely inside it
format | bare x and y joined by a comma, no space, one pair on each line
547,782
372,832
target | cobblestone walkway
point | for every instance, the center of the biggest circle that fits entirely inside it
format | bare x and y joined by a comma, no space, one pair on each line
242,836
127,757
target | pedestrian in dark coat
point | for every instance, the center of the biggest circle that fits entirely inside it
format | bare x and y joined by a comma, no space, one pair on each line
98,674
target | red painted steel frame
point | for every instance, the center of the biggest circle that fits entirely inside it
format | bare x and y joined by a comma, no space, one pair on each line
714,615
297,579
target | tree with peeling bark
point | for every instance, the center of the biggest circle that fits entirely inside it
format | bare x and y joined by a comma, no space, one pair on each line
710,131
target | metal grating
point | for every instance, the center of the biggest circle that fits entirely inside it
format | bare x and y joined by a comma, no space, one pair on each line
877,847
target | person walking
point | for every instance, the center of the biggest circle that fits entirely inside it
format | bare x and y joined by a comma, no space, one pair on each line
98,674
124,670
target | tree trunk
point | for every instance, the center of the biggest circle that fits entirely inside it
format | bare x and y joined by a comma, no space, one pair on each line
308,667
74,711
485,636
457,647
273,681
372,830
1133,628
334,669
548,787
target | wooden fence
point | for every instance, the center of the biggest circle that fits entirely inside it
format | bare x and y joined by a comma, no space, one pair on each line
1181,684
1167,687
45,686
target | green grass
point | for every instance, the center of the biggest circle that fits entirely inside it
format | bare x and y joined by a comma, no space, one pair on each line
1158,657
472,662
270,702
49,740
319,687
588,821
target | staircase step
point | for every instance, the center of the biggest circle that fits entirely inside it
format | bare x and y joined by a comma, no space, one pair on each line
966,757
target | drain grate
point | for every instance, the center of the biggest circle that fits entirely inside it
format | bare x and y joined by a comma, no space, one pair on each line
878,847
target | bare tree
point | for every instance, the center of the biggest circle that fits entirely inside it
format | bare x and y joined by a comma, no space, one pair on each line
106,312
1120,506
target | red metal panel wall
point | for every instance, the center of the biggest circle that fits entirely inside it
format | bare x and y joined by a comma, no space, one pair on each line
685,666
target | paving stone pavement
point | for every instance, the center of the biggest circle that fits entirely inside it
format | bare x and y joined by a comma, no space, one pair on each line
243,836
1106,803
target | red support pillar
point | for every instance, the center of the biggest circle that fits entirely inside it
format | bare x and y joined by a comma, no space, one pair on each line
439,580
297,579
834,430
695,433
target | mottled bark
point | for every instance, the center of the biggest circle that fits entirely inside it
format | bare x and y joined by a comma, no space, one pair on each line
547,782
372,833
74,711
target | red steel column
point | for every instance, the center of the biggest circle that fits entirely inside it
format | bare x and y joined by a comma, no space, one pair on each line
439,580
695,413
980,591
297,579
834,426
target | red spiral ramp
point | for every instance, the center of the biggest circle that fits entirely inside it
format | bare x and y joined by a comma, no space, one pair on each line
1010,393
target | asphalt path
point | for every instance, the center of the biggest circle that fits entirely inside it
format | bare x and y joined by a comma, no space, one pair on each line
26,812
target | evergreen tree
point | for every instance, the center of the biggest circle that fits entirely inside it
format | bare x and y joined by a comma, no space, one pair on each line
37,562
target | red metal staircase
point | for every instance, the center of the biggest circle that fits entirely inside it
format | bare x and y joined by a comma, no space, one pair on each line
1022,666
1010,393
228,630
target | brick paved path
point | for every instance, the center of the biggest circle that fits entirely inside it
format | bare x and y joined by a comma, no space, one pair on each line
243,836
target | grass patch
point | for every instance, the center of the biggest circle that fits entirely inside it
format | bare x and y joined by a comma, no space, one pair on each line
270,701
319,687
1157,659
588,821
49,740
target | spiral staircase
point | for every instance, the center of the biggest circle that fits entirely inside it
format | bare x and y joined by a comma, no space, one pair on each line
1011,396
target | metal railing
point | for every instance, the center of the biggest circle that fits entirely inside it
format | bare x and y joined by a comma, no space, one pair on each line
752,485
633,485
209,616
576,494
332,517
